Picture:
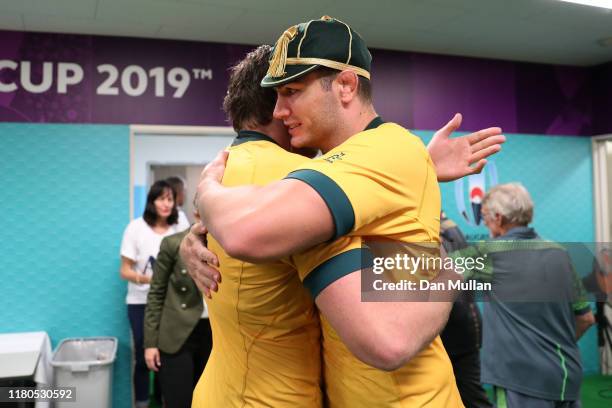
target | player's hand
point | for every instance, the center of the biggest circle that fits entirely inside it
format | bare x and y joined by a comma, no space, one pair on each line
201,263
215,169
465,155
152,358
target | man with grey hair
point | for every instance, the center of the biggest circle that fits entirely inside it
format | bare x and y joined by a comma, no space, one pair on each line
535,312
509,205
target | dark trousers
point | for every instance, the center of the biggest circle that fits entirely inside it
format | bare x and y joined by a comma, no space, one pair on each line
141,372
467,374
512,399
180,371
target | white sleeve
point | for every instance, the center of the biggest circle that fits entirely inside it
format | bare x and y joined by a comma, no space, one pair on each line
183,221
128,243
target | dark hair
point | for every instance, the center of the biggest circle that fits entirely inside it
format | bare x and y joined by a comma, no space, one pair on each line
246,101
157,189
364,87
176,183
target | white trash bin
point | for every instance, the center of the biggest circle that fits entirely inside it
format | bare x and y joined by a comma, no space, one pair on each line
87,364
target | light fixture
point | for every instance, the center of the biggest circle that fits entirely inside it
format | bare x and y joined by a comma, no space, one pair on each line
595,3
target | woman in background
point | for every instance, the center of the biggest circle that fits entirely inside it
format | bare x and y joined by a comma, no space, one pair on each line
139,248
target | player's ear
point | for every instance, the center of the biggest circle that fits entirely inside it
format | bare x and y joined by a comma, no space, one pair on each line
347,82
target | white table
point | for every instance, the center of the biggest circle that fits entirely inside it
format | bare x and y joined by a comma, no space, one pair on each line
27,355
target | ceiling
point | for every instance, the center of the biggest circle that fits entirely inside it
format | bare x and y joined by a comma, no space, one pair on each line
546,31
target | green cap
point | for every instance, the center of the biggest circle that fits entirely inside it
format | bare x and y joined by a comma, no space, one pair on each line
326,42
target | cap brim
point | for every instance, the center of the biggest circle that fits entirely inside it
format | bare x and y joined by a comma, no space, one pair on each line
292,73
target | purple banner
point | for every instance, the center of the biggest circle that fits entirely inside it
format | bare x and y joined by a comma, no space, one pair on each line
483,91
92,79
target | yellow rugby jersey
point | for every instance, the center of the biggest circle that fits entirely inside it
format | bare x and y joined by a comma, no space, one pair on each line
380,183
266,333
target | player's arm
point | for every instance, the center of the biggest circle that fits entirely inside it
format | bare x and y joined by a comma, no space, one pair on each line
257,224
312,204
385,335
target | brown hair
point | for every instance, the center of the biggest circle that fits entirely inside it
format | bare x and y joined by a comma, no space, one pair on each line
246,101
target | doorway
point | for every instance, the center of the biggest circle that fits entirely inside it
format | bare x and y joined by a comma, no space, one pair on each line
158,152
602,177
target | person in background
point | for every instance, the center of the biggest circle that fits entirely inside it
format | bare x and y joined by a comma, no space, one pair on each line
178,185
536,311
599,284
463,332
177,333
139,248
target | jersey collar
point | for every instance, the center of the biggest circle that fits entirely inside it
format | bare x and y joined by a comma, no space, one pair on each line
251,136
518,233
376,122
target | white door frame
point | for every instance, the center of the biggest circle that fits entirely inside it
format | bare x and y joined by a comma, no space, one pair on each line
164,130
601,188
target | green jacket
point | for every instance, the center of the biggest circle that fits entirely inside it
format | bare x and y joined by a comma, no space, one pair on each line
174,303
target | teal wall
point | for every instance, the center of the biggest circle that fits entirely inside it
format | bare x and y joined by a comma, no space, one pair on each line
558,172
65,204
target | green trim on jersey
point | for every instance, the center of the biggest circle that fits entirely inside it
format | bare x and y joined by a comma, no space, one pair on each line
376,122
251,136
338,203
337,267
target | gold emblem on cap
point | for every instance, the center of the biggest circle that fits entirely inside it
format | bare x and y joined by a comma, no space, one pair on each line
279,58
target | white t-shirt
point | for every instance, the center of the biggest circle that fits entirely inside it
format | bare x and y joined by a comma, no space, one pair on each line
183,221
141,244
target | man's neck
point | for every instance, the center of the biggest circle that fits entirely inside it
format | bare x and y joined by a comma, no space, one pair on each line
364,119
507,227
259,129
273,132
351,125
